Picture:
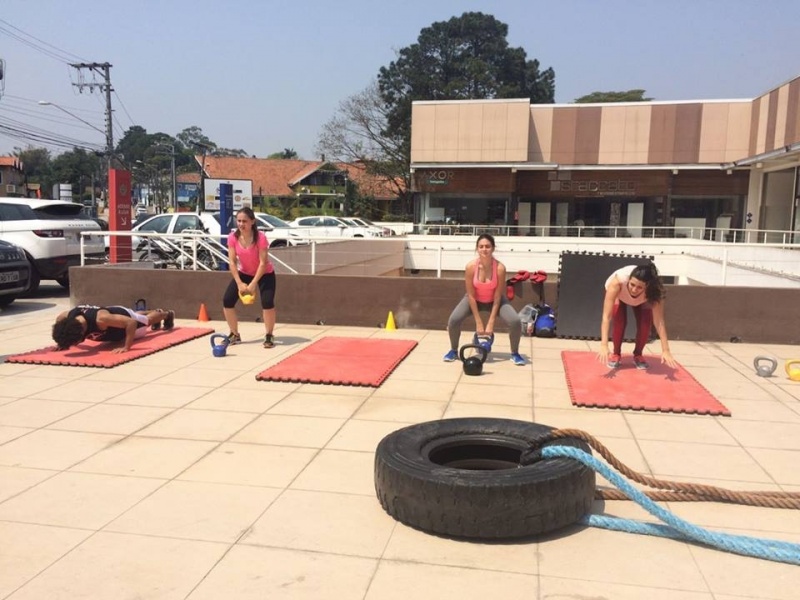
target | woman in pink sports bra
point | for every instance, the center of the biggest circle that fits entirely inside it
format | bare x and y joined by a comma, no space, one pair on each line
482,279
640,288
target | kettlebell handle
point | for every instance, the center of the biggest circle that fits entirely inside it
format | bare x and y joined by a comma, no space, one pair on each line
219,336
480,350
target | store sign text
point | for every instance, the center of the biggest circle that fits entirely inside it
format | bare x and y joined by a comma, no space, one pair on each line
440,177
618,187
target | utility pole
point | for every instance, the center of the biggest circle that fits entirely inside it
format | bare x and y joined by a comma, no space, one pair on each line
103,69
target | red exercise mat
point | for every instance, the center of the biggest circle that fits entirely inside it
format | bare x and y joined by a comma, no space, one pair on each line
341,361
98,354
659,388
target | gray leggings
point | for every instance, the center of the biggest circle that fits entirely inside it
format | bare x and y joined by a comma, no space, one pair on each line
506,312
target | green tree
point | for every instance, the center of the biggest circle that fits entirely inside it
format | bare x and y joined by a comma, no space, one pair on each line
288,153
629,96
193,141
37,166
467,57
78,167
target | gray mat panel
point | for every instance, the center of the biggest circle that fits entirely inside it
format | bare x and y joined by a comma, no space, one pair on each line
581,289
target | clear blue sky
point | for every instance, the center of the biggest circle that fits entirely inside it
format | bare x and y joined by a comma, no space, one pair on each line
266,75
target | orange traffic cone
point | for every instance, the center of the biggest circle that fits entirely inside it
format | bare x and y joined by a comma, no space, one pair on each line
203,316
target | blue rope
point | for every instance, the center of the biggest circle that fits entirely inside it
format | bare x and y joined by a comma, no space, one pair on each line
675,528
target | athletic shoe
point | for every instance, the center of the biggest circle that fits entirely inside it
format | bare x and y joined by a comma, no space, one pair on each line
450,356
234,338
169,321
614,361
269,341
640,363
517,359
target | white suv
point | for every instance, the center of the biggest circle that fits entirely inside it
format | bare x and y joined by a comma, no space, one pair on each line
49,232
325,226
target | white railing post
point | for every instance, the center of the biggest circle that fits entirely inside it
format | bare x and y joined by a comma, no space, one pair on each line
83,247
313,257
439,262
724,265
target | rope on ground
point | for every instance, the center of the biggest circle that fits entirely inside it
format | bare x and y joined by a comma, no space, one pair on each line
675,527
675,491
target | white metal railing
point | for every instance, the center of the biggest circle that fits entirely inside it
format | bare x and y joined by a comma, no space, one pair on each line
189,249
746,236
687,260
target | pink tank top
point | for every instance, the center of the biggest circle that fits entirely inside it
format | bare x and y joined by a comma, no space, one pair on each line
484,290
624,276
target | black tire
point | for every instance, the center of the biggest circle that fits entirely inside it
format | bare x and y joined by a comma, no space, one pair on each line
6,300
33,283
63,281
462,478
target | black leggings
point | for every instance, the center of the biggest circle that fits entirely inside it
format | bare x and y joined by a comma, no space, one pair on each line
266,289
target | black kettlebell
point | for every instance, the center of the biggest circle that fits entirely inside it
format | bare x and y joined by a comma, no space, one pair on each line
473,365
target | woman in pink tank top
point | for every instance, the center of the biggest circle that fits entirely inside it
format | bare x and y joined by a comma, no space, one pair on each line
484,294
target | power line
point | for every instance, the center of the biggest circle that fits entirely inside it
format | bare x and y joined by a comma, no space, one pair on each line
42,46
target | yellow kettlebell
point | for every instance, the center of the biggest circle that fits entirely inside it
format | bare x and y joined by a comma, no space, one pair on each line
793,369
246,298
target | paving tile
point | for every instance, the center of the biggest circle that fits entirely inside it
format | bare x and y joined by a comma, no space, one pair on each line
323,522
363,436
339,471
777,436
33,413
401,580
558,588
781,465
114,565
317,405
680,428
30,549
495,394
636,560
594,421
80,500
47,449
413,546
14,480
743,576
195,510
146,457
190,424
159,394
400,409
416,390
250,464
254,573
287,430
456,410
239,401
110,418
675,460
85,391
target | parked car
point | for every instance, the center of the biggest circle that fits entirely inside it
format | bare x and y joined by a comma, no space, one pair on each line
357,222
278,232
367,223
15,273
49,233
324,226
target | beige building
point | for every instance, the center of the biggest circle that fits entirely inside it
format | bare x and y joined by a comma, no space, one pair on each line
706,165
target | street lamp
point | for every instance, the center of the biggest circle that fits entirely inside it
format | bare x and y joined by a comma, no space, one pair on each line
74,116
172,164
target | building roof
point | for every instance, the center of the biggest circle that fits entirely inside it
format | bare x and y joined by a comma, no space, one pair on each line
277,176
11,161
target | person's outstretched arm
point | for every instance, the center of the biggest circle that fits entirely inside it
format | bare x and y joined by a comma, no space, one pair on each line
661,329
498,297
612,293
106,320
469,273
